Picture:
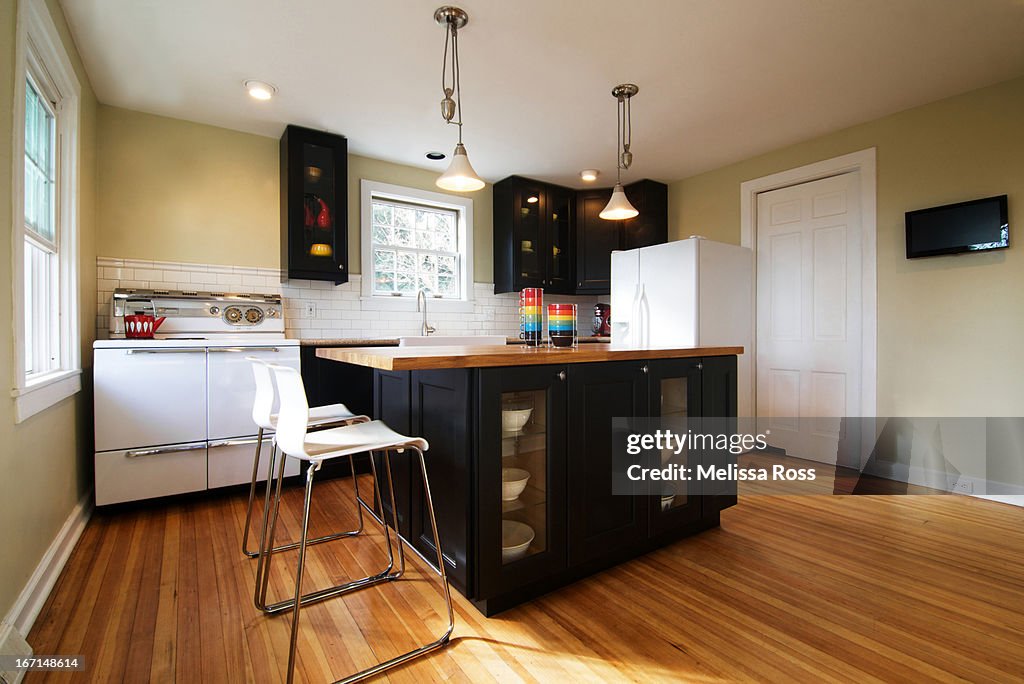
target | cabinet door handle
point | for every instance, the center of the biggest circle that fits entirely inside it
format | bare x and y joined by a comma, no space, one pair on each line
233,442
240,350
168,350
561,375
699,366
645,369
341,267
135,453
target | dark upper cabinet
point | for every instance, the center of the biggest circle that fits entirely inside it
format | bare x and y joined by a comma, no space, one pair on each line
533,232
553,237
651,226
596,239
314,205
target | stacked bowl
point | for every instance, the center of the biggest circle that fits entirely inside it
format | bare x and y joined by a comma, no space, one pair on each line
531,303
562,325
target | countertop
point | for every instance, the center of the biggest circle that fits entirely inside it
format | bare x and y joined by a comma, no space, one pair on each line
423,358
238,341
393,341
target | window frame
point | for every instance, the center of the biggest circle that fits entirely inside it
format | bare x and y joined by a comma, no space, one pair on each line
462,206
40,55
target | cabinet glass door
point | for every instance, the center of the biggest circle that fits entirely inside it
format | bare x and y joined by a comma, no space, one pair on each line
521,495
524,467
675,387
530,236
318,247
559,213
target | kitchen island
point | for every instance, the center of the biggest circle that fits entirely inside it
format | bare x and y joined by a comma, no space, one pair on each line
520,458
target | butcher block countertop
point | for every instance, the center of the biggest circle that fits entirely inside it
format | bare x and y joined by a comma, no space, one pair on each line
393,341
427,358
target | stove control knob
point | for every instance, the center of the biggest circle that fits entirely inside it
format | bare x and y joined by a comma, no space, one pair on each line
214,310
271,313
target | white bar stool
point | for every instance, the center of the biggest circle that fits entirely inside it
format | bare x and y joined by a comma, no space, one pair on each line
324,417
332,415
295,440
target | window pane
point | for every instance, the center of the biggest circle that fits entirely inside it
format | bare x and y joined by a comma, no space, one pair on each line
415,232
40,131
41,343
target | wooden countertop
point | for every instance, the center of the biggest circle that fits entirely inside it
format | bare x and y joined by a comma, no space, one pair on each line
424,358
393,341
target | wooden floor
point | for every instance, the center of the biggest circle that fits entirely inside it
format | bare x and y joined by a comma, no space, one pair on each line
801,588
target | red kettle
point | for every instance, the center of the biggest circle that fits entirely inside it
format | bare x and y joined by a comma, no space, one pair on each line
142,326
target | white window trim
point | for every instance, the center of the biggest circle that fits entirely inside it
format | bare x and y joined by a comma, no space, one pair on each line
38,34
369,189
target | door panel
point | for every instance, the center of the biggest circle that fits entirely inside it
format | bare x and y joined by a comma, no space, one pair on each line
232,388
808,313
596,238
598,520
536,448
530,238
138,474
149,397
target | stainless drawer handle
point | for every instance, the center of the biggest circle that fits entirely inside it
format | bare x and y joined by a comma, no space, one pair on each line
169,350
233,442
239,350
135,453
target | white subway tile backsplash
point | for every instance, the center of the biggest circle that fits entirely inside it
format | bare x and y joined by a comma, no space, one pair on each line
341,312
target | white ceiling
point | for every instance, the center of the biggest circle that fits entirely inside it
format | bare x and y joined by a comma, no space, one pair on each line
720,80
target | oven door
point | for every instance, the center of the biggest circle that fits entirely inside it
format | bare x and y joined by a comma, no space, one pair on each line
232,388
149,396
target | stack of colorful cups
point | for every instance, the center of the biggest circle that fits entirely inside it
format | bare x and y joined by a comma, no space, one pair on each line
562,325
531,303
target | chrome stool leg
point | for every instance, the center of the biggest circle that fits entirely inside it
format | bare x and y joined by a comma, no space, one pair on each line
405,657
360,504
268,551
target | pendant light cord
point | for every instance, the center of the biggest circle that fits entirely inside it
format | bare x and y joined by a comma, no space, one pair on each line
623,132
452,35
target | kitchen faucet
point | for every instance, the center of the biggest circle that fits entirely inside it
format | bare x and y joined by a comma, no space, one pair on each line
421,305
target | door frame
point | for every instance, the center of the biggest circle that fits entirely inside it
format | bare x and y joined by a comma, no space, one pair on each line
862,162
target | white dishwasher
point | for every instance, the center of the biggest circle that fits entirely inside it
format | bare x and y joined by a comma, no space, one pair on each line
173,414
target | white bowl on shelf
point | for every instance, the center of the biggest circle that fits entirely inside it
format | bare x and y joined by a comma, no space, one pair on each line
516,538
666,501
513,482
514,419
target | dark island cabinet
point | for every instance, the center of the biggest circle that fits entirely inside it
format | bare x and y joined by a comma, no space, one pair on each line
521,477
314,205
520,465
601,523
553,237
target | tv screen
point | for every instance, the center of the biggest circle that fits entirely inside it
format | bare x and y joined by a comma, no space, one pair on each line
972,226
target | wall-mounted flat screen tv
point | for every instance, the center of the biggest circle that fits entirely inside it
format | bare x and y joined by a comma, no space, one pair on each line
974,226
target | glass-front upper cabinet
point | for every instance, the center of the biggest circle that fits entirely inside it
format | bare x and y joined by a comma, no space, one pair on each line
530,236
522,471
560,206
314,204
675,387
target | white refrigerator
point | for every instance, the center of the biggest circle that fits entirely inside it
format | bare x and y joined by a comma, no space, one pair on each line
688,293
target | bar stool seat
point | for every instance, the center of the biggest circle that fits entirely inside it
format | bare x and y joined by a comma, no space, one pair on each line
355,439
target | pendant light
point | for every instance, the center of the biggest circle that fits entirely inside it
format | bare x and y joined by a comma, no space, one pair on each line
619,207
460,176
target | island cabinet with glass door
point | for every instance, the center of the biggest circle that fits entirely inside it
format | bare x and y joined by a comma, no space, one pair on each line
520,458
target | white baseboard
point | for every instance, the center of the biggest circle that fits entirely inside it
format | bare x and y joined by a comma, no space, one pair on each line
26,608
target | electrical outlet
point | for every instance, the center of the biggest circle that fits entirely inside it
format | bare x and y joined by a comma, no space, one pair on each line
963,486
488,314
310,309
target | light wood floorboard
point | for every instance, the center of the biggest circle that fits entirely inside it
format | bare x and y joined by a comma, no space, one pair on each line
797,588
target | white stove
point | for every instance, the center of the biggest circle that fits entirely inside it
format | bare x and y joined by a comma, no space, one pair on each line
173,414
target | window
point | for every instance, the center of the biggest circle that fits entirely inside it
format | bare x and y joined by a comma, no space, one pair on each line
415,240
45,198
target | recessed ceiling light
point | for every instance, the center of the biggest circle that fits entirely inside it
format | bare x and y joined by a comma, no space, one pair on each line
589,175
436,156
260,90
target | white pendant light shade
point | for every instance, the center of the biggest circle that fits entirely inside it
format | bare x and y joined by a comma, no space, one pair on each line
460,176
618,207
